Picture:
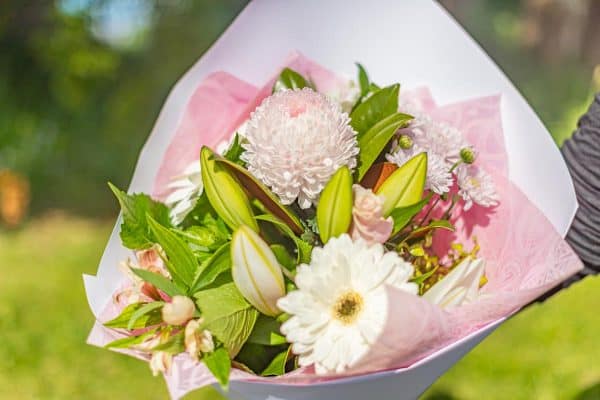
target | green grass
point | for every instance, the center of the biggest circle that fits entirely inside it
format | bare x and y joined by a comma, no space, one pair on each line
550,351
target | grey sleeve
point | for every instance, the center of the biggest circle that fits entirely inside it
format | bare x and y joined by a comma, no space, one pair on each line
582,155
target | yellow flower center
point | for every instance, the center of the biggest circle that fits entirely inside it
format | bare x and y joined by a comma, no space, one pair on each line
347,307
474,182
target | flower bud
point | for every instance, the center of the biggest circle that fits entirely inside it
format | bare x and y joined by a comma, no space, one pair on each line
160,362
255,270
405,142
334,211
467,155
460,286
225,194
197,341
178,311
404,186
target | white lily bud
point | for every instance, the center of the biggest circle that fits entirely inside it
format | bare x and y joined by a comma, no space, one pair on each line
255,270
460,286
178,311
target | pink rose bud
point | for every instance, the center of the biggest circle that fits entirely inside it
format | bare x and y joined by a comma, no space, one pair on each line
178,311
367,217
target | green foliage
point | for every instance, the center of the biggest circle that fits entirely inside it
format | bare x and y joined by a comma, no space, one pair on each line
180,262
235,150
334,212
266,332
219,364
135,232
174,345
149,318
373,141
381,104
363,80
227,315
303,248
403,215
289,79
129,341
277,365
159,281
142,311
212,268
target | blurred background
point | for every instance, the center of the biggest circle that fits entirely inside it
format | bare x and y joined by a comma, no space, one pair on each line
81,84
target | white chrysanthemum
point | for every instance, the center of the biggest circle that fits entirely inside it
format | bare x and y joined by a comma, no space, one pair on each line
186,189
296,140
476,186
439,179
440,138
340,307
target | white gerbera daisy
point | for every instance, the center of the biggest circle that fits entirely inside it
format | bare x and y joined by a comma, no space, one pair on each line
186,189
476,186
340,307
296,140
439,179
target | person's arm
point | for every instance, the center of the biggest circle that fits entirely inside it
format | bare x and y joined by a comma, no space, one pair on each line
582,155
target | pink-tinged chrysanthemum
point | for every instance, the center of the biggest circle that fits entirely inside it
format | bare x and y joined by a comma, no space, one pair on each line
296,140
476,186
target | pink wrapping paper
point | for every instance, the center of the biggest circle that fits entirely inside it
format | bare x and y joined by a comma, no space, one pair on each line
525,256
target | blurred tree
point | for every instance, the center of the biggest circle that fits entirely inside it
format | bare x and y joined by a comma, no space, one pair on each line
79,100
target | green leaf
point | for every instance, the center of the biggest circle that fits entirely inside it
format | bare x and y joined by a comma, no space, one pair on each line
134,208
381,104
143,310
363,80
203,237
334,211
122,321
283,256
289,79
180,262
218,263
262,193
257,357
225,193
159,281
266,332
174,345
235,150
227,315
373,142
403,215
405,185
219,365
129,341
277,365
304,249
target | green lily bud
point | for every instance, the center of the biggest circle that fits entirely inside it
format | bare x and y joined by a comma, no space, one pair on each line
225,193
255,271
334,211
404,186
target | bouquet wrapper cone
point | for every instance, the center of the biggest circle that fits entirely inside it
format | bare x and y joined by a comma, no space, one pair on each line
413,41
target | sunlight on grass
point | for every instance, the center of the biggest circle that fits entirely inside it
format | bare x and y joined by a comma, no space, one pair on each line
547,352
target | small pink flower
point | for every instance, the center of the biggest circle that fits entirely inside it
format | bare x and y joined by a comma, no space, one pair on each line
150,259
368,222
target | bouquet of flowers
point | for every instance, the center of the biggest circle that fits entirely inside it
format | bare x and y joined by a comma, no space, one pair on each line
341,228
